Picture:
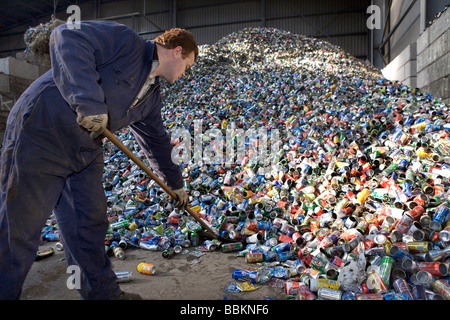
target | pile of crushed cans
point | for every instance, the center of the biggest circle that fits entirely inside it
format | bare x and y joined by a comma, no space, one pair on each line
353,205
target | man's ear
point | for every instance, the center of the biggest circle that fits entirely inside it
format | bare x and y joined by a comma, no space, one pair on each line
178,50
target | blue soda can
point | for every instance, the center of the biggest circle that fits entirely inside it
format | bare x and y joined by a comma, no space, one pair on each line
441,214
284,246
418,292
52,237
402,286
396,296
409,121
270,255
300,266
285,255
281,273
399,254
264,225
403,164
407,185
244,275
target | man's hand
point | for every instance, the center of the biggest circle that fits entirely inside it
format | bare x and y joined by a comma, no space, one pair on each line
96,124
182,200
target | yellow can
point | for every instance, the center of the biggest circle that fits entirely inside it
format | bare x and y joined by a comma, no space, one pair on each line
146,268
362,196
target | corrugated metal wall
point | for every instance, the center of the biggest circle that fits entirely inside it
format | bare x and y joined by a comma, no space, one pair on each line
340,22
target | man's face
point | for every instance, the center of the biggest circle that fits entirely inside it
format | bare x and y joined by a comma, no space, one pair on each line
178,65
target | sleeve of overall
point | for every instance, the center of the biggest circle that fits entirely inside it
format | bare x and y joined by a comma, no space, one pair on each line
77,53
152,137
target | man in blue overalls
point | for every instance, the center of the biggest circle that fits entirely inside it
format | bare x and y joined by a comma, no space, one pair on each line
103,75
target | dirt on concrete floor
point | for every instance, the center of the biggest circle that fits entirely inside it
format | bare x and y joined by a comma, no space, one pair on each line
191,275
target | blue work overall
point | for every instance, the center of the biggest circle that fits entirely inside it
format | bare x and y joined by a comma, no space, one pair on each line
49,163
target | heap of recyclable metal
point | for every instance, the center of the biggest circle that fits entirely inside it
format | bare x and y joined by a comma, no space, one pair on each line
360,182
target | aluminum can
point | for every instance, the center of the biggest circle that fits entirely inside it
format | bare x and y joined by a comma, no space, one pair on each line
402,286
362,196
370,296
149,246
385,269
229,247
418,246
124,276
405,223
299,288
146,268
270,256
209,245
444,235
285,255
419,292
441,214
396,296
254,257
316,283
284,246
437,255
255,238
442,287
281,273
168,253
374,283
424,278
244,275
299,266
118,253
329,294
398,253
437,269
59,246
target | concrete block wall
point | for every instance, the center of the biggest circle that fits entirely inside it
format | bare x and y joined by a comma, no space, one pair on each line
16,75
425,64
404,67
433,58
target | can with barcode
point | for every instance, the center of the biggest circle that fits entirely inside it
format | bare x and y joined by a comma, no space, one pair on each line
418,246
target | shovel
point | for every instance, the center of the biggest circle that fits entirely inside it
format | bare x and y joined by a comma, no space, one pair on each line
153,176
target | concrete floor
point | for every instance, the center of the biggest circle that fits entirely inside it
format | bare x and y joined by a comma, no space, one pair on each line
185,276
